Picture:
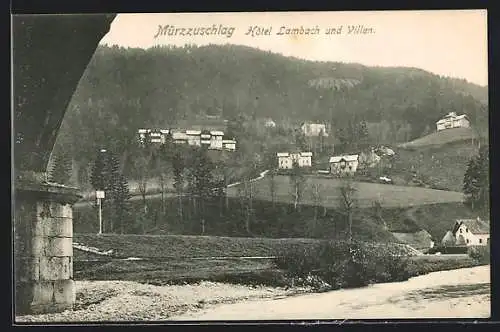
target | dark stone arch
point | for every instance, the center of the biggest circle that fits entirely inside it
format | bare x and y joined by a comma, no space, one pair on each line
50,54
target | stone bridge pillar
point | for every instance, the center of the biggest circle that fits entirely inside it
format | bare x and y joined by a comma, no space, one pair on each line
43,230
50,54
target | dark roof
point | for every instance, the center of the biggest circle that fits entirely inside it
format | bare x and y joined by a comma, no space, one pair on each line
418,240
448,239
475,226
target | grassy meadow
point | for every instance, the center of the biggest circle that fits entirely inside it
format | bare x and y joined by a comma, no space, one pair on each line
390,196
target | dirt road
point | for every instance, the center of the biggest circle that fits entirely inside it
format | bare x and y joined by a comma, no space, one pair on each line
463,293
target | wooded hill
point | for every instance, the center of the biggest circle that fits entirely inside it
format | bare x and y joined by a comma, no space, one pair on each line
125,89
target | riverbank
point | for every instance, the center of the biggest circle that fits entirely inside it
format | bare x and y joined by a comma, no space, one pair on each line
112,301
461,293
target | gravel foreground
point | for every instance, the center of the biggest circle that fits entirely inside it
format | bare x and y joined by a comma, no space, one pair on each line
461,293
100,301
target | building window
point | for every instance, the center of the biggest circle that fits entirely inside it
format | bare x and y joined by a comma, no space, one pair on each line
461,231
467,240
480,240
466,230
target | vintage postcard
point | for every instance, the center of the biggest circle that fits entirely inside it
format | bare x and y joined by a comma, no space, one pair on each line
251,166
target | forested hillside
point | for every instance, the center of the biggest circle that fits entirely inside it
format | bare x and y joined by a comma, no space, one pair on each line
123,90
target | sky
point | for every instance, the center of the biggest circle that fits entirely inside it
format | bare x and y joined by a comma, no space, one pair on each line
446,42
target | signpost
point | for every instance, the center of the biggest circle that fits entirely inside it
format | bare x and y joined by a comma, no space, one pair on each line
99,194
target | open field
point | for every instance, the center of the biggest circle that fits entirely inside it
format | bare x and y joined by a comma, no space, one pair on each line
179,247
185,246
178,259
441,137
367,193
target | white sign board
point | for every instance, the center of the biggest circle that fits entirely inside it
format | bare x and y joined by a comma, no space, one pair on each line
99,194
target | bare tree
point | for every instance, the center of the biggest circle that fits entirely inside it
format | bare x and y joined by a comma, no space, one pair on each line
321,138
178,168
298,182
377,211
317,199
143,168
347,204
162,169
228,169
248,199
272,186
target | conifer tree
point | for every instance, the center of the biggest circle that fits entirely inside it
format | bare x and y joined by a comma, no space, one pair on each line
121,194
61,169
106,176
178,168
476,182
362,133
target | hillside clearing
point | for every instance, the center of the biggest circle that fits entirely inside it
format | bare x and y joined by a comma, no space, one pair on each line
367,193
441,137
440,166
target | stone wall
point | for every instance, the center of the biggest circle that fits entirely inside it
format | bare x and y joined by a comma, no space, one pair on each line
43,248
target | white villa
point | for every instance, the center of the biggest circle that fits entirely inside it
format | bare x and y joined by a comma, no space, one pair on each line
313,129
452,120
180,137
344,165
154,135
229,144
471,232
216,139
286,159
205,138
193,137
270,123
211,139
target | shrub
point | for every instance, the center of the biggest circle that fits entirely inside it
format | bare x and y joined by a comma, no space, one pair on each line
448,250
480,254
340,264
426,264
300,260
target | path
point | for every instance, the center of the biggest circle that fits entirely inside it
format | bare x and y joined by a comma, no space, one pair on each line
166,194
463,293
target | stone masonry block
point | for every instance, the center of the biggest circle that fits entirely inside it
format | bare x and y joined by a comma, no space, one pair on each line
53,226
64,291
55,268
27,269
59,247
52,246
54,210
71,267
43,292
38,245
